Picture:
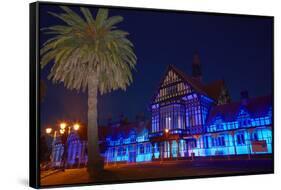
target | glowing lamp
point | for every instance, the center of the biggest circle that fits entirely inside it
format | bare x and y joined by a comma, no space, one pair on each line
63,125
166,130
76,127
48,130
62,131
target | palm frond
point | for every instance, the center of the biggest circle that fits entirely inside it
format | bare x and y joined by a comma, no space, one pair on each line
88,15
101,17
86,46
110,22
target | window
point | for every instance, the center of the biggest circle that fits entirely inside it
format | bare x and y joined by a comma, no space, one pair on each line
155,121
214,142
220,126
132,138
221,141
148,148
267,120
172,116
121,151
206,142
192,144
141,148
255,136
205,104
193,112
165,117
244,118
240,139
178,116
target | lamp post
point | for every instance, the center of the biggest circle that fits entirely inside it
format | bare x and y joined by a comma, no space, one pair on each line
64,135
48,151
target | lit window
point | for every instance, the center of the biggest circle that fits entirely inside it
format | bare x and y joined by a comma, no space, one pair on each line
219,127
120,151
214,142
221,141
255,136
240,139
141,149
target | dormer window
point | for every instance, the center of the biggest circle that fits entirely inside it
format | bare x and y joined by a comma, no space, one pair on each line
219,126
243,118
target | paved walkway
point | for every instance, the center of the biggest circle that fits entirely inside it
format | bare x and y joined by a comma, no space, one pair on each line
157,170
69,176
46,173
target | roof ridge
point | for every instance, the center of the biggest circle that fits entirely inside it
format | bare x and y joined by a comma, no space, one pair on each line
190,80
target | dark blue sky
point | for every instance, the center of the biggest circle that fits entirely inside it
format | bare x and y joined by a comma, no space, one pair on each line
235,48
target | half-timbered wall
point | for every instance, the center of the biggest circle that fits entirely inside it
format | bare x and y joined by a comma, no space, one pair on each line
172,86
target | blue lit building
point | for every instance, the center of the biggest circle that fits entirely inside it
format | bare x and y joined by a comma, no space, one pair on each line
76,155
191,119
127,142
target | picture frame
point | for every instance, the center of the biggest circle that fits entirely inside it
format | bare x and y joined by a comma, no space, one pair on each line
186,125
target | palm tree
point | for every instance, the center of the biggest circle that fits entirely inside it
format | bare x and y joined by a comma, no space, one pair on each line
89,54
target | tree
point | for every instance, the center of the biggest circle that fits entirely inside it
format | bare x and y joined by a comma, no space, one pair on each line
89,54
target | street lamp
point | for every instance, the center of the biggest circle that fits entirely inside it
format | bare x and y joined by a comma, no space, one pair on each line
76,126
64,142
63,125
49,133
62,131
48,130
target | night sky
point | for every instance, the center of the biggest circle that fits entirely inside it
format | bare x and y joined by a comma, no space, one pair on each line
237,49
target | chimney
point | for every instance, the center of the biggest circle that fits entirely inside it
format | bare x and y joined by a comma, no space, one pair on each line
196,67
244,97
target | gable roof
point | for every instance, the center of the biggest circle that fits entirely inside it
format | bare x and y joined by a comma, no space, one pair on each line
212,90
197,85
257,107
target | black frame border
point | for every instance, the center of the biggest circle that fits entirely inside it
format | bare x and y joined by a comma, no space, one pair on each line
34,71
34,93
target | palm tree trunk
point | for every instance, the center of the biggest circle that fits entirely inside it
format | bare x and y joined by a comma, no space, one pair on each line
95,162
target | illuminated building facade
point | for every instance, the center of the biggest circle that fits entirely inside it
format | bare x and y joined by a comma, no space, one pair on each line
76,155
191,119
127,142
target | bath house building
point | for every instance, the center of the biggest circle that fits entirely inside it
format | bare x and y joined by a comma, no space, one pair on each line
191,119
